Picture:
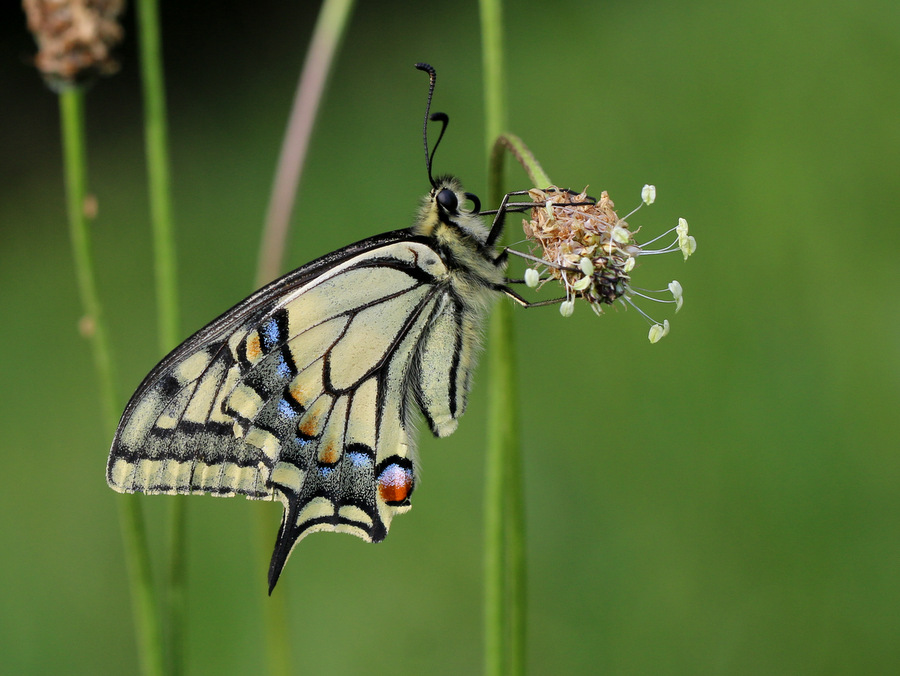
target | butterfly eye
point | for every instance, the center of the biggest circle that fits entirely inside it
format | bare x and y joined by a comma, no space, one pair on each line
447,199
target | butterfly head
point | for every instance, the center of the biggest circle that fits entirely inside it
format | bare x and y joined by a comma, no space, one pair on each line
448,207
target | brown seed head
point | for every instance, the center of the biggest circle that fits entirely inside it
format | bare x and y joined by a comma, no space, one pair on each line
75,38
569,232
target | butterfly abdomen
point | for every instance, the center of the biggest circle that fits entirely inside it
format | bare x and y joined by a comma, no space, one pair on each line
448,353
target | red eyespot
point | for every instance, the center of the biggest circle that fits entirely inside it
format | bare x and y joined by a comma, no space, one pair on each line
395,484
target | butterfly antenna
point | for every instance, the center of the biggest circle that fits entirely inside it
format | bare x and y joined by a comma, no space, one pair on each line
437,117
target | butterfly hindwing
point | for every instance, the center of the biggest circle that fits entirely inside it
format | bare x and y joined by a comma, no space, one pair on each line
349,467
302,393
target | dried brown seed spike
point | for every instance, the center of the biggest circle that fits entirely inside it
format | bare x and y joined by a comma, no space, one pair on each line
75,38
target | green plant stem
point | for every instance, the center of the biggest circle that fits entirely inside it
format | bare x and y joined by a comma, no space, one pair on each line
137,555
523,155
331,26
159,188
505,582
156,137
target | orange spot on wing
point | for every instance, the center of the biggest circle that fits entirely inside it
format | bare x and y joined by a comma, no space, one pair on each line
329,453
254,351
393,493
297,393
395,484
310,425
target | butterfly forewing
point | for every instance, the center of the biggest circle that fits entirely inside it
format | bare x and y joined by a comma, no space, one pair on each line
302,393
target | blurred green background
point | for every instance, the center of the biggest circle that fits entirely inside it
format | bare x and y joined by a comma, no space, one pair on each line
723,502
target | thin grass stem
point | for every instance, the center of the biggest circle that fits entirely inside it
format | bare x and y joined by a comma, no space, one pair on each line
156,142
524,156
159,189
137,555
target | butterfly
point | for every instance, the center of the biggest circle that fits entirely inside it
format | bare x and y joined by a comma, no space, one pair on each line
305,392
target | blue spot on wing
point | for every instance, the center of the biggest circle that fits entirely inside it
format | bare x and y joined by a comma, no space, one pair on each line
304,443
358,459
285,410
298,451
270,333
281,366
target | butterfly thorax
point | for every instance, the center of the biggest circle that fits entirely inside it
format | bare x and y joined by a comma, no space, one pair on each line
459,237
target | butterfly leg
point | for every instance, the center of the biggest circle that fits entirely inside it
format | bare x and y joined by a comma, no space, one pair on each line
506,206
500,214
527,304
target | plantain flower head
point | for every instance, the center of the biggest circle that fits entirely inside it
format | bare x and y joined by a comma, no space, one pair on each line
75,38
583,244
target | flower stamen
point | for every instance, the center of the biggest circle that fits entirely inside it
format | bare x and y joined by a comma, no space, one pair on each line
586,247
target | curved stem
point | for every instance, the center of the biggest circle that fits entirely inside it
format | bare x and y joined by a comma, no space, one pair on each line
328,34
523,155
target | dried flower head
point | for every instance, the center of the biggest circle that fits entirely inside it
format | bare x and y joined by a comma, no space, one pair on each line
75,38
592,252
586,246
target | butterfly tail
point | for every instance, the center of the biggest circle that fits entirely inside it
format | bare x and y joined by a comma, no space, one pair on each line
284,543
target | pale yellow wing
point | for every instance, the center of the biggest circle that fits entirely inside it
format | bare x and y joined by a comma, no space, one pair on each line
303,393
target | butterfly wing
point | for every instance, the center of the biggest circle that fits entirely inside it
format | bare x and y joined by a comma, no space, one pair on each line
303,393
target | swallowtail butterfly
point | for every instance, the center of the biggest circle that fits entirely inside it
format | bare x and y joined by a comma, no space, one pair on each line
304,392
